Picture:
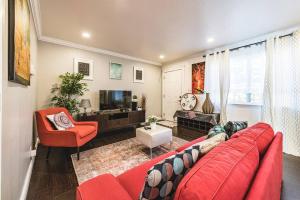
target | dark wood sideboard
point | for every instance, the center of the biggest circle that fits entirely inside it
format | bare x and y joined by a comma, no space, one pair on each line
112,120
200,121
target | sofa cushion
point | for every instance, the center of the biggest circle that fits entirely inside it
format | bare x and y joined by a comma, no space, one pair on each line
105,186
83,130
224,173
261,133
163,178
133,179
217,129
232,127
267,183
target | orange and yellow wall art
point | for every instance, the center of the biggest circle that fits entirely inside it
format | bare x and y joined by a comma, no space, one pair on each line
198,77
20,42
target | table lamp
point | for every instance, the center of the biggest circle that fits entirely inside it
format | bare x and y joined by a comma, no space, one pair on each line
85,103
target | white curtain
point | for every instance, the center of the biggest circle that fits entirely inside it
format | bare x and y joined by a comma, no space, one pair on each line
281,103
217,81
247,73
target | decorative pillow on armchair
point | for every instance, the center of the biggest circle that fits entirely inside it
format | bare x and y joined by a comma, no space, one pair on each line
232,127
60,121
164,177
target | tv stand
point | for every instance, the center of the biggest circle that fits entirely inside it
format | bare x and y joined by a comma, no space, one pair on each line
115,119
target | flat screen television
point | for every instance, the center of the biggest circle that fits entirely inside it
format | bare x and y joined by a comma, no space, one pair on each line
114,99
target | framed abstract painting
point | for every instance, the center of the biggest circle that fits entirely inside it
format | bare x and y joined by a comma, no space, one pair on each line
138,74
198,77
19,42
85,67
115,71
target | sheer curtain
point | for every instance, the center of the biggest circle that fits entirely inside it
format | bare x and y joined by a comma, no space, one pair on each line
247,70
281,104
217,81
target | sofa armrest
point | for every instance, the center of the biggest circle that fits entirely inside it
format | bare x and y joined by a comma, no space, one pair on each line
103,187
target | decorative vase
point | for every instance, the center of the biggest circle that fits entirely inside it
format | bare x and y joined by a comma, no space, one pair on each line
153,125
207,106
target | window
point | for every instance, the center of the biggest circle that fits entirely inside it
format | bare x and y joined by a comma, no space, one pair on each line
247,70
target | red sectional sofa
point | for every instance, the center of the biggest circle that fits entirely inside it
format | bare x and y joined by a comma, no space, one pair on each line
247,166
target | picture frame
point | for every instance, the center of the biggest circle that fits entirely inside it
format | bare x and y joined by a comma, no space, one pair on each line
85,67
19,42
115,71
138,74
198,77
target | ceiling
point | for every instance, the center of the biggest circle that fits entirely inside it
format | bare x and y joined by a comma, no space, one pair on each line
176,28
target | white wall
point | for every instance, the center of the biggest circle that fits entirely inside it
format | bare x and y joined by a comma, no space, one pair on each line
19,103
56,59
250,113
186,66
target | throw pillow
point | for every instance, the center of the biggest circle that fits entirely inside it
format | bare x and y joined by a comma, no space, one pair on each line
164,177
232,127
60,121
217,129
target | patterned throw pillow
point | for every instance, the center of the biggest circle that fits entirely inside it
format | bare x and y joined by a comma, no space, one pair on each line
164,177
232,127
60,121
217,129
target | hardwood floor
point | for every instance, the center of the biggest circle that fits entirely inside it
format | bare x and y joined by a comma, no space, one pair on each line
55,179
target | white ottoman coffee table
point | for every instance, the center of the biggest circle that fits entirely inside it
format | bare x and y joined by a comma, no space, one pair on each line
153,138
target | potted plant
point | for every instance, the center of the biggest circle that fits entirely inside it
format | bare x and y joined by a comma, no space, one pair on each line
66,93
152,121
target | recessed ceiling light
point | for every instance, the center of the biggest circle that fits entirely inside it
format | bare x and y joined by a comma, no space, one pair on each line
85,34
161,56
210,40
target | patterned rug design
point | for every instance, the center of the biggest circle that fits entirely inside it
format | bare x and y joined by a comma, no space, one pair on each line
116,158
166,123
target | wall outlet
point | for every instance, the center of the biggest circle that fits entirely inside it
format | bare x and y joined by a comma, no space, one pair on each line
32,153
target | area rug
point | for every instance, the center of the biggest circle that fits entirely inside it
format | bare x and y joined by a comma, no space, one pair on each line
116,158
166,123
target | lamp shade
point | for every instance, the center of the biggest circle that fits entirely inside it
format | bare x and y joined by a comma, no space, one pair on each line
85,103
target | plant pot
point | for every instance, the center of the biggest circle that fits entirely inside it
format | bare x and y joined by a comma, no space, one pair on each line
207,107
153,125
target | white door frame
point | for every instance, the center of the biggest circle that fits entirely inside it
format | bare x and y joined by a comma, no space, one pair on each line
170,69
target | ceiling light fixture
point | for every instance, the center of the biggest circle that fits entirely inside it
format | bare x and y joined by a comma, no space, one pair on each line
85,34
210,40
161,56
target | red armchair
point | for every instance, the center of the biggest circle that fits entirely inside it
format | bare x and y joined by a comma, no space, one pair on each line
72,137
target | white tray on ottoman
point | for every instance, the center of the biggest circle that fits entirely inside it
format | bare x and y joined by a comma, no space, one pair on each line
153,138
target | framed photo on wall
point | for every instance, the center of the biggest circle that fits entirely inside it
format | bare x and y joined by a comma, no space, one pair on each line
85,67
115,71
198,78
138,74
19,42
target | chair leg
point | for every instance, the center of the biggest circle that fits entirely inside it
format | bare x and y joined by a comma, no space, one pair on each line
78,153
48,152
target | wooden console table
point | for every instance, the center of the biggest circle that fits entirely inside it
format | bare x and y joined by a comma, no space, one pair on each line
111,120
202,122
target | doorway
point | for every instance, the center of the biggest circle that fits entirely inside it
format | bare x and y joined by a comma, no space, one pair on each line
172,90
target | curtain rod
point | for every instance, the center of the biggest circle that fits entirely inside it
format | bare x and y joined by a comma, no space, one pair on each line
248,45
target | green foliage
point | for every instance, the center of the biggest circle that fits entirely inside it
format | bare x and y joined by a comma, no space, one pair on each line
66,93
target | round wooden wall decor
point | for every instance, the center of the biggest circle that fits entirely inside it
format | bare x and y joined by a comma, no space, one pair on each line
188,101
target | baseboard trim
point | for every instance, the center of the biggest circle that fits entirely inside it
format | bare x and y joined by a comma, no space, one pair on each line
27,180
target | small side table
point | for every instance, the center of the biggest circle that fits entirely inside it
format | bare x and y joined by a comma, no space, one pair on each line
153,138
